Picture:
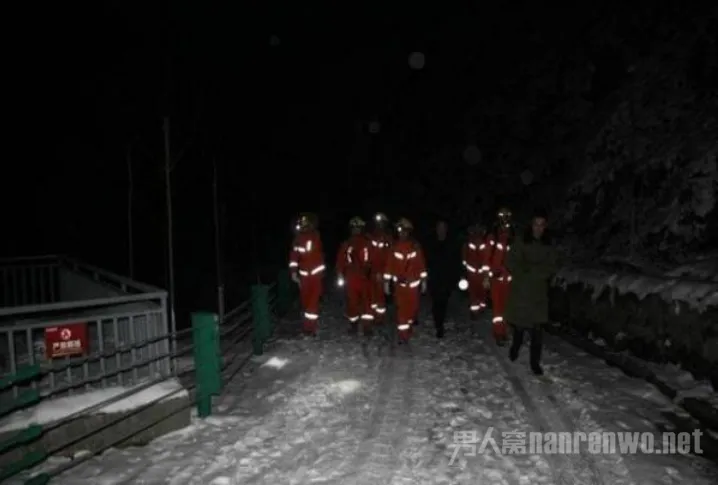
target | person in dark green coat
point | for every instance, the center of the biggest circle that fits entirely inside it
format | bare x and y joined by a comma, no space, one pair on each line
531,262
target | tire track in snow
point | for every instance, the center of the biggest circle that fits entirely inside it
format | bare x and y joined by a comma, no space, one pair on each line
380,451
604,465
614,464
360,408
477,350
285,420
560,464
304,457
411,445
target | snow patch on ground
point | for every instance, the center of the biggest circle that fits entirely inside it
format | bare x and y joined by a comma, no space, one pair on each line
52,410
275,362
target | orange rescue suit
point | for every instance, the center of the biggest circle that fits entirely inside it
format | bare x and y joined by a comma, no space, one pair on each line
406,268
353,266
306,261
500,282
379,251
475,258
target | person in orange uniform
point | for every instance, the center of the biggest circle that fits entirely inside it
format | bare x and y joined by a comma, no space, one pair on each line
306,264
353,274
476,254
406,269
381,241
499,275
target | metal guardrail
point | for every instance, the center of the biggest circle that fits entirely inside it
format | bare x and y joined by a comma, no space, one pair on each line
236,326
126,325
20,297
26,281
127,348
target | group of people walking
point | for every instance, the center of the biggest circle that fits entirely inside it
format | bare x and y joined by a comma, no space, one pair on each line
493,265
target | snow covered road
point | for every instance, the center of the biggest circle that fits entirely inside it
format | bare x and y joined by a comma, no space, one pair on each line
345,410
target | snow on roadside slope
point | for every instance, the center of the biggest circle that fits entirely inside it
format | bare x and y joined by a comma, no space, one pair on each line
52,410
698,295
607,399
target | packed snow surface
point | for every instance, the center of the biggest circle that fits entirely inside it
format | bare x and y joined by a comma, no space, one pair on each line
52,410
348,410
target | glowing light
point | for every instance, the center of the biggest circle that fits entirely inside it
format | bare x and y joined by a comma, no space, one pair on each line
340,282
463,284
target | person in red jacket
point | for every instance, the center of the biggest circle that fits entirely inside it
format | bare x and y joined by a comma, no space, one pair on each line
353,274
476,255
379,251
306,264
499,275
406,268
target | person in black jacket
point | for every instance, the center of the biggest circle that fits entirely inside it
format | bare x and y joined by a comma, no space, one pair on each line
443,256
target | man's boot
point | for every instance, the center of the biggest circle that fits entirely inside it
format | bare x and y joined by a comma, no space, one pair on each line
536,347
516,342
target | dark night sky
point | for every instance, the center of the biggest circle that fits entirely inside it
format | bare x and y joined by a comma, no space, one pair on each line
279,120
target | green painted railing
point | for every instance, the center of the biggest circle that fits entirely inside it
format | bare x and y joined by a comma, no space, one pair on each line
216,360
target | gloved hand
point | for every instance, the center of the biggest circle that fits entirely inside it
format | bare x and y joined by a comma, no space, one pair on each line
295,278
423,286
387,288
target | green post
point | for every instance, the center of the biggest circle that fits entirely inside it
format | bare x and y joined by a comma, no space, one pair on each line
261,317
205,331
284,292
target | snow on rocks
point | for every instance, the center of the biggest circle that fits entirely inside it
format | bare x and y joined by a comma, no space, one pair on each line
697,294
701,269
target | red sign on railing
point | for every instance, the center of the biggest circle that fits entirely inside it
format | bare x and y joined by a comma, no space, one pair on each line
66,340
